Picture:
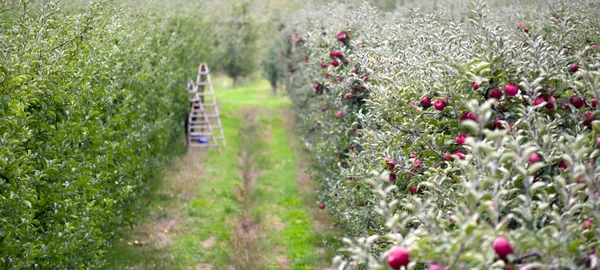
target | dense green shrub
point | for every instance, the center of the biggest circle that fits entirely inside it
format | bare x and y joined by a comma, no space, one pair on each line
91,103
450,127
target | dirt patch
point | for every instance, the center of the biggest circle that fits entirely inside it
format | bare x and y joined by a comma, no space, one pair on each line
283,261
273,223
181,182
307,187
163,229
247,230
204,266
208,242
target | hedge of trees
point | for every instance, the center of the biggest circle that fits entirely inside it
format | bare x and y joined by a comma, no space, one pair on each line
456,136
91,105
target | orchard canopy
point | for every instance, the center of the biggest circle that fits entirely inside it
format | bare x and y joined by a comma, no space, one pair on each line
436,134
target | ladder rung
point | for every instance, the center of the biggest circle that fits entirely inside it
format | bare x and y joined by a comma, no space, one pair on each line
203,83
193,144
205,126
212,115
204,95
201,134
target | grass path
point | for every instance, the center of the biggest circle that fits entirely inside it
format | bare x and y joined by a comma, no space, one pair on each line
251,208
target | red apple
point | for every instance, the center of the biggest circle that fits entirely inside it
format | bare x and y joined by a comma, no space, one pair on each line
439,104
502,247
594,103
392,177
324,65
577,101
563,165
335,63
468,115
459,154
412,190
538,101
589,117
475,86
447,156
495,93
523,27
511,89
425,102
587,224
398,257
574,67
435,267
321,206
339,114
417,163
534,157
461,139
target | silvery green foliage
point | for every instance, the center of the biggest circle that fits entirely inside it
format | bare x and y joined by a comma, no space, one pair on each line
392,170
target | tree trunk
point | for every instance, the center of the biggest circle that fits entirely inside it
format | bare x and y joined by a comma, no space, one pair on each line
234,80
274,86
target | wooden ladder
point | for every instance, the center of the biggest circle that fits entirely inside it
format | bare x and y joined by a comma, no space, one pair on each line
204,116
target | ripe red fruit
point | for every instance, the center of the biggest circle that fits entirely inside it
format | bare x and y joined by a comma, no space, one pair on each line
447,156
324,65
460,154
598,142
364,76
342,36
594,103
577,101
335,63
412,190
425,102
502,247
498,122
334,54
392,177
439,104
538,101
475,86
339,79
511,89
589,117
595,46
353,70
563,165
339,114
468,115
523,27
417,163
495,93
461,139
398,257
390,162
550,104
587,224
574,67
321,206
349,96
435,267
412,156
324,108
305,59
535,157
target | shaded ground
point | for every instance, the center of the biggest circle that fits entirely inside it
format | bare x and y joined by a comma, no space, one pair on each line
251,208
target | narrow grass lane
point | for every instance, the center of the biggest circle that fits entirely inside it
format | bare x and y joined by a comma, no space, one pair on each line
251,208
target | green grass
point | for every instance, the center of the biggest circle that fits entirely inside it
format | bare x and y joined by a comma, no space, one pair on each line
213,211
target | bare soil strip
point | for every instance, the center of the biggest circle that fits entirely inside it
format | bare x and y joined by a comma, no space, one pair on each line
247,230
